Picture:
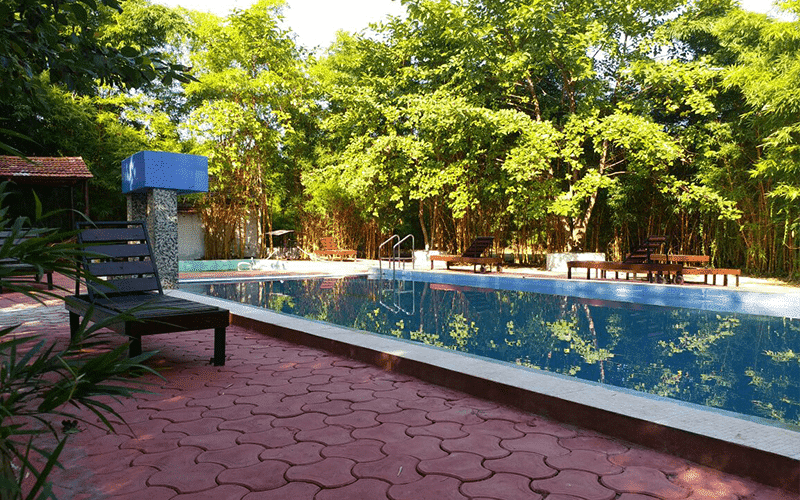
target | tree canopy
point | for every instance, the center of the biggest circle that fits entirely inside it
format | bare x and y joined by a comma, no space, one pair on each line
552,125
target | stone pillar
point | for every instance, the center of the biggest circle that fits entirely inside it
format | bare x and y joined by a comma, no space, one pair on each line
159,208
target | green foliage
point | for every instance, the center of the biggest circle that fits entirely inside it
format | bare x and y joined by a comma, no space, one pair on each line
40,380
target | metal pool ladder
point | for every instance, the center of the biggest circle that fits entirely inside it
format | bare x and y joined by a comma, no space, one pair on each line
394,256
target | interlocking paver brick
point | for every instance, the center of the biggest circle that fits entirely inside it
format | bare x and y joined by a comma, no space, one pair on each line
235,412
219,440
166,460
543,444
329,435
362,489
593,443
541,426
154,443
444,430
502,486
199,427
271,438
225,491
354,420
644,480
153,493
266,475
485,445
411,418
293,491
182,414
362,450
394,469
109,462
256,423
643,457
457,415
425,404
192,479
462,466
500,428
422,447
295,454
130,480
214,402
241,455
379,404
705,482
329,473
332,387
576,483
330,408
267,379
356,396
304,422
385,432
531,465
431,487
588,460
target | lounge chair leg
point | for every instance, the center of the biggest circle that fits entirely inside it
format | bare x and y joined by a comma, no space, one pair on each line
136,346
219,346
74,322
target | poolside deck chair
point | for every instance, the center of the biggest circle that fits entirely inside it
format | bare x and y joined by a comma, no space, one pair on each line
121,256
472,255
639,261
332,250
697,265
21,268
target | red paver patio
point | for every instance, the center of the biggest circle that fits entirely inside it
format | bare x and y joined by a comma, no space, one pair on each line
283,421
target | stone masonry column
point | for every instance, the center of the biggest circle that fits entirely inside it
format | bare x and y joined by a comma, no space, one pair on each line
159,209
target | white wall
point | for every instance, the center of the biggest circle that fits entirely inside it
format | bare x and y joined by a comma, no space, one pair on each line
191,240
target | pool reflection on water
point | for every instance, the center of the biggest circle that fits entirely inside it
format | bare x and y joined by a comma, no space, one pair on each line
742,363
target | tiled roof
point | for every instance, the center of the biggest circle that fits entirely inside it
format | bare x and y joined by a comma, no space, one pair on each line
43,167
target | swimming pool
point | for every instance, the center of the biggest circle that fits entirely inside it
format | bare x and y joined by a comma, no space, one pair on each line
739,362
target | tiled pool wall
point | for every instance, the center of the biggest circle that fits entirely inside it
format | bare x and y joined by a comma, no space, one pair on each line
786,305
294,266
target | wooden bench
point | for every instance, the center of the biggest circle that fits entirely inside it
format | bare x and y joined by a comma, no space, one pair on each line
699,271
119,255
22,268
472,255
656,272
331,249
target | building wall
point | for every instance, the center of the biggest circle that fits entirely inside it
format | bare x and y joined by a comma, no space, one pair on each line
191,239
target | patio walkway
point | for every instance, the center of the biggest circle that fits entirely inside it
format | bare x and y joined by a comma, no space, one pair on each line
281,421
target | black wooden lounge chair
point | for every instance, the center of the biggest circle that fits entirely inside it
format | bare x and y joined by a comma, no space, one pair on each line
120,254
21,268
472,255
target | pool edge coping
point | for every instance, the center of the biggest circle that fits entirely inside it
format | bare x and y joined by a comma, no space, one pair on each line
769,454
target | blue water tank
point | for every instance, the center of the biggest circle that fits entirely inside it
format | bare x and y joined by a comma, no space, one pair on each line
157,169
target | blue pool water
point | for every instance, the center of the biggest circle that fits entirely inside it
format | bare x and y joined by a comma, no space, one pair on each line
738,362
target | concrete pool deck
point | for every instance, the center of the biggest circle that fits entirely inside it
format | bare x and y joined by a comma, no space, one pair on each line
285,420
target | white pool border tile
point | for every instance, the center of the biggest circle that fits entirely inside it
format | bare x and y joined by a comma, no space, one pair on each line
692,419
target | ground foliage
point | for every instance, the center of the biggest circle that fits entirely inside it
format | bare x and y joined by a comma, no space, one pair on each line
552,125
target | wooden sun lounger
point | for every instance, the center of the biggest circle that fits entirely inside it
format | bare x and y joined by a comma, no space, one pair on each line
331,249
121,254
472,255
655,271
699,271
22,268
